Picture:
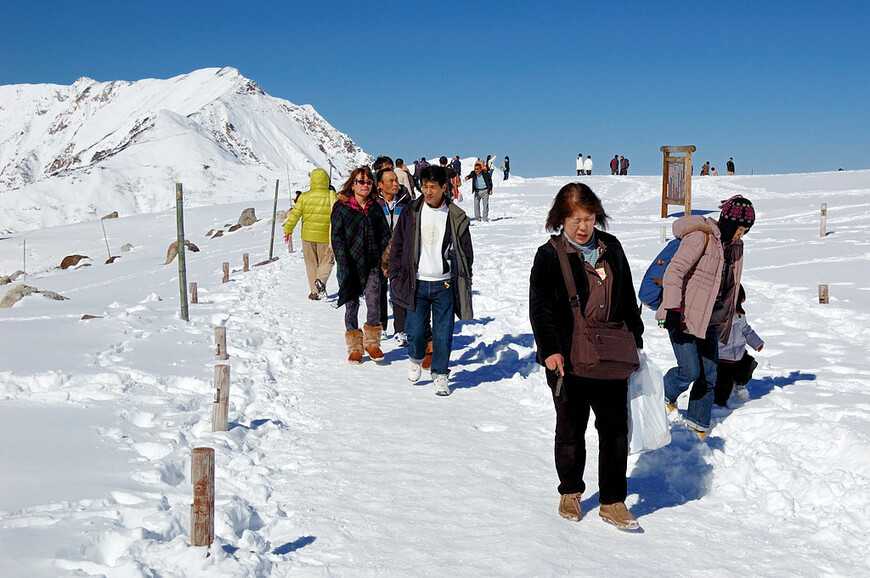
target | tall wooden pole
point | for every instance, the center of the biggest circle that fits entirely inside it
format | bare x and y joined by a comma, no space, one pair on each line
182,262
824,223
274,217
220,409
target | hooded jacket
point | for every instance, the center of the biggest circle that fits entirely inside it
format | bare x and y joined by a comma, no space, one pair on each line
694,276
314,207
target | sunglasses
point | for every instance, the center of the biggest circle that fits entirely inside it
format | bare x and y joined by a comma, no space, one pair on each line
362,182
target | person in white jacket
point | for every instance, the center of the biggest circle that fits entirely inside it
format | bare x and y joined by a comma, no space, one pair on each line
580,168
735,365
587,165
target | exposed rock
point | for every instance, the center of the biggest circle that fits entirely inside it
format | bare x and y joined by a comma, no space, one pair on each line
53,295
248,217
210,233
89,316
112,215
234,228
111,259
219,233
5,280
16,275
15,295
127,248
172,252
72,261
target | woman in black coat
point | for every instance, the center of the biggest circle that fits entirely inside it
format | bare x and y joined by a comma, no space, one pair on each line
603,279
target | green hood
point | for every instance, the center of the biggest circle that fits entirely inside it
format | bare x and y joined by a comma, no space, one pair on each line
319,180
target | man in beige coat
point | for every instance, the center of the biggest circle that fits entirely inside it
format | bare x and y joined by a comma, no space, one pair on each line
698,302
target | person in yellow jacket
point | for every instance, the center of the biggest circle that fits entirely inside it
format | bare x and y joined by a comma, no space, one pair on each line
314,207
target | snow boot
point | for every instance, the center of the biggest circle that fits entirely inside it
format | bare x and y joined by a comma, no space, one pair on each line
354,341
372,341
569,507
321,288
618,515
427,360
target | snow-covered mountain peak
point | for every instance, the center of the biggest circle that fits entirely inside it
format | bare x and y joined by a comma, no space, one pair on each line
120,145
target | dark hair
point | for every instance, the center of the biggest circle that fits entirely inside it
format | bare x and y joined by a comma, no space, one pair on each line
741,297
379,176
433,173
443,160
571,197
399,162
380,162
347,187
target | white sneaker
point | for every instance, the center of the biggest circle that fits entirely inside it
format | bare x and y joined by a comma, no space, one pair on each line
741,393
401,339
414,372
441,387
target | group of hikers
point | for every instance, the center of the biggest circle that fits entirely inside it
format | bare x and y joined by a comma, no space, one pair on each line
618,165
383,236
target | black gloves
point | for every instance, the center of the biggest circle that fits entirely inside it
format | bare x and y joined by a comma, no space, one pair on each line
673,320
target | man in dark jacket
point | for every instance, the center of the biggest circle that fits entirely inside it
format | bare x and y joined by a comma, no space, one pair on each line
430,273
481,186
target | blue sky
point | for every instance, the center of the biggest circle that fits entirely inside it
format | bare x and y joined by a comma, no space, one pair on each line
780,86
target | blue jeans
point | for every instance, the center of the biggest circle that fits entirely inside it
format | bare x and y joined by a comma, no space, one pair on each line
696,362
435,298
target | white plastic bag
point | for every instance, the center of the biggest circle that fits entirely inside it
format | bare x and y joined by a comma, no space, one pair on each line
647,418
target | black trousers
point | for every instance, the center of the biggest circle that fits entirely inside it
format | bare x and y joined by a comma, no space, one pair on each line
731,373
608,400
399,312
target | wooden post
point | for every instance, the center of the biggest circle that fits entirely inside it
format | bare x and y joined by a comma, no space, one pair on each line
245,263
182,261
823,231
823,294
202,509
226,269
275,214
220,409
220,340
194,295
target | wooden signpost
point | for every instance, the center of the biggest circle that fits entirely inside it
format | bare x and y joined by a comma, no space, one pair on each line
677,177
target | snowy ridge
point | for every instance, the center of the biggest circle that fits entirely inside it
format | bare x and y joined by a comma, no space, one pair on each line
106,146
330,469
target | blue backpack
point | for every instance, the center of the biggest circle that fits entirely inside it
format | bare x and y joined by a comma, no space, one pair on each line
651,289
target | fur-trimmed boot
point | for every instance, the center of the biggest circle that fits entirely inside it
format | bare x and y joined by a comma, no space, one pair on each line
372,341
354,341
427,360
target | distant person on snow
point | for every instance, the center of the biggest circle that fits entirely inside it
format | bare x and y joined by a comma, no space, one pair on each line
614,165
314,207
587,165
490,164
705,169
430,274
698,303
729,166
481,188
714,172
360,234
735,364
623,165
580,170
405,177
602,280
506,167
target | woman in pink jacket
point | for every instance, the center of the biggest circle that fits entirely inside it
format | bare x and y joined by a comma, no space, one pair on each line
698,302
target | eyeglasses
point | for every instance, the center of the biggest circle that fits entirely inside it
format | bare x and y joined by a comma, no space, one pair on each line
362,182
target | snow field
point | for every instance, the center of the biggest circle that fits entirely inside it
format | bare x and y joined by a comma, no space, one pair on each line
331,469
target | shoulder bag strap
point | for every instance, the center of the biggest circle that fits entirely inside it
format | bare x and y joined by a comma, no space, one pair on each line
573,297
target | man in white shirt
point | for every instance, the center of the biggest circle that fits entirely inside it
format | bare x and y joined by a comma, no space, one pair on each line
430,274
